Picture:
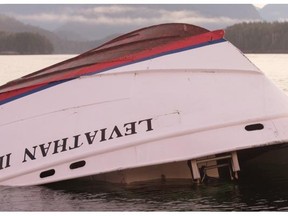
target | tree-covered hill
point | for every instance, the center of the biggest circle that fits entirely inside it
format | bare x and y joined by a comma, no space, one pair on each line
259,37
24,43
12,27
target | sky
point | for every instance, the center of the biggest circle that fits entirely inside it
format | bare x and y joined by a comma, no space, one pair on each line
124,18
259,5
111,14
108,16
256,2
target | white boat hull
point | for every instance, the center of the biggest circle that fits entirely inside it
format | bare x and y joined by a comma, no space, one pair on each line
143,121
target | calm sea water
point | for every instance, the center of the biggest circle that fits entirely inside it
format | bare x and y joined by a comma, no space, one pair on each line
80,196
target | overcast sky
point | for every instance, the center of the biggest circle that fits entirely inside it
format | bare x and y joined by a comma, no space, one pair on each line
52,17
120,14
95,21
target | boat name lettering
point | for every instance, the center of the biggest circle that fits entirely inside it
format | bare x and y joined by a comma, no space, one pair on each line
76,141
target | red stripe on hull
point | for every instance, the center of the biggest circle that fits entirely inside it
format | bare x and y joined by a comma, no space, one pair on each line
30,83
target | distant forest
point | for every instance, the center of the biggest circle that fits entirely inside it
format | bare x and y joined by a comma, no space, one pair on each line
259,37
24,43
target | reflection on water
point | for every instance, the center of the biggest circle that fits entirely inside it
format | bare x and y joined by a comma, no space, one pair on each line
220,196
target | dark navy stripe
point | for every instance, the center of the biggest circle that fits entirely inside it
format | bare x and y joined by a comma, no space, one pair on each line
32,91
110,68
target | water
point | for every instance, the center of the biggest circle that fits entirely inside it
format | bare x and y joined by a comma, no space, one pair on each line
81,196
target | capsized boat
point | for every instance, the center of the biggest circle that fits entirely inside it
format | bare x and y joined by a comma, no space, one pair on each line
170,101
